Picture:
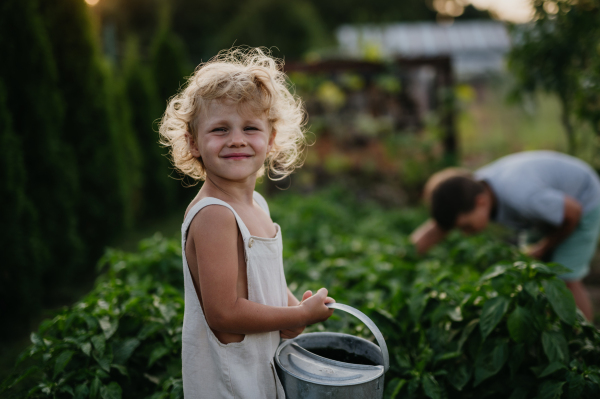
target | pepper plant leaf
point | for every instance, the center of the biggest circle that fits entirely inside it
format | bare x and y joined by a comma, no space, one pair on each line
492,313
431,387
561,299
111,391
552,367
460,375
492,356
550,390
555,347
394,387
61,362
520,324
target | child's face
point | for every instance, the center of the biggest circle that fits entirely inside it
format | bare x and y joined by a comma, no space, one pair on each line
232,142
476,220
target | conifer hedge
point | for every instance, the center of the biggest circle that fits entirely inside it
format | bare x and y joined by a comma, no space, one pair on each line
159,189
89,127
36,108
80,159
18,234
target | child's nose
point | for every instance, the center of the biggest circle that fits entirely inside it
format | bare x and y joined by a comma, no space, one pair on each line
237,138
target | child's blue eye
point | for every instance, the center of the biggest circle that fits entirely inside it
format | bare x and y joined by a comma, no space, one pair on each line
250,128
218,129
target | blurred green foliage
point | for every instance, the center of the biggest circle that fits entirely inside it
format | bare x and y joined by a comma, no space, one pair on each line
122,340
143,100
559,53
472,320
81,158
292,28
20,234
42,237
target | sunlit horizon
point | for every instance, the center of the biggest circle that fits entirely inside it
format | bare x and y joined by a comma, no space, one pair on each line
517,11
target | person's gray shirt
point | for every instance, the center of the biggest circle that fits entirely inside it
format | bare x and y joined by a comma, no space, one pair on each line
530,187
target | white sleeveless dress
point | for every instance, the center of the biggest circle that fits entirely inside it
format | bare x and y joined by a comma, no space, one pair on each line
244,370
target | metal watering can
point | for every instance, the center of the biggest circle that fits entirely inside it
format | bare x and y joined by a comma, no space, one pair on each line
305,374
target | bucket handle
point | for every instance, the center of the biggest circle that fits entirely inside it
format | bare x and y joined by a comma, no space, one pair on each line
370,325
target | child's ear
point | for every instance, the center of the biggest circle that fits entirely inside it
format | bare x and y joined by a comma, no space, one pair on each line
192,146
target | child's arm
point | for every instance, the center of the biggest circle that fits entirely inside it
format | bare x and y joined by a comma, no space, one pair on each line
571,217
218,252
427,235
292,301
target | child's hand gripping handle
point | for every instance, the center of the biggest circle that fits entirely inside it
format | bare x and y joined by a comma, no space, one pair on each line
315,306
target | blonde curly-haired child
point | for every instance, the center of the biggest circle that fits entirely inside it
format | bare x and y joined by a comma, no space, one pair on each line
234,120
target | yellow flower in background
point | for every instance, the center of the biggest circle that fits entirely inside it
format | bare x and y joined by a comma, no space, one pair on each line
331,95
465,93
372,52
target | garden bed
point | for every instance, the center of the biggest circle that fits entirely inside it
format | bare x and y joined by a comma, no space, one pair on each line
473,319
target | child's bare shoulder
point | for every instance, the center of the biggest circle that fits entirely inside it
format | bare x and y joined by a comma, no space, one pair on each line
213,221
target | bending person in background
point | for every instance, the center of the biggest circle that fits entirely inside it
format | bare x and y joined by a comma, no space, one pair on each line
550,191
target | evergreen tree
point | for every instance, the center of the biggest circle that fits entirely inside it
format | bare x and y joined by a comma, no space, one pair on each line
292,28
127,150
170,65
36,110
170,68
159,190
90,127
20,284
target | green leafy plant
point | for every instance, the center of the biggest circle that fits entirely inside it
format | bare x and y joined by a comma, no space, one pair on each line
474,319
122,340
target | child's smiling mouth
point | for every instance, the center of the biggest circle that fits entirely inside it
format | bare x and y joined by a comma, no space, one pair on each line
237,156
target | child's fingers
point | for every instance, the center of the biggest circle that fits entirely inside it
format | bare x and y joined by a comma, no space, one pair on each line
322,292
329,300
285,335
306,295
291,333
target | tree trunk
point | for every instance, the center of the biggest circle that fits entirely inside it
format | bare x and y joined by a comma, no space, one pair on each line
566,121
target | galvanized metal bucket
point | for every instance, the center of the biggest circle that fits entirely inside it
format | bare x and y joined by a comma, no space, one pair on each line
307,375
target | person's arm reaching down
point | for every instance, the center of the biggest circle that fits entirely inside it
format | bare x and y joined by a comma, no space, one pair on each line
571,217
427,235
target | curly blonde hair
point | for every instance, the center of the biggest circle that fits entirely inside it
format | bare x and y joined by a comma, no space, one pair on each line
245,76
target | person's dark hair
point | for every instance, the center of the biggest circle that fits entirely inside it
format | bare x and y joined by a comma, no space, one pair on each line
452,197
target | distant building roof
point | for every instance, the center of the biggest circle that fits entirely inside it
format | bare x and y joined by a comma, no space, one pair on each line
475,47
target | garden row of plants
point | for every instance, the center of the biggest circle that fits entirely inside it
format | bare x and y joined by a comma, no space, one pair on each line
473,319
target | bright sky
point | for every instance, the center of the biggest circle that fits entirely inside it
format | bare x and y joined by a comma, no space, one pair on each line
508,10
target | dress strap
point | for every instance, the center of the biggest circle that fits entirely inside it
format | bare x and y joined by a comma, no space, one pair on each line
204,202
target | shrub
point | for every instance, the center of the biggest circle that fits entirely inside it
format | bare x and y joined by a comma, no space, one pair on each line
474,319
122,340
